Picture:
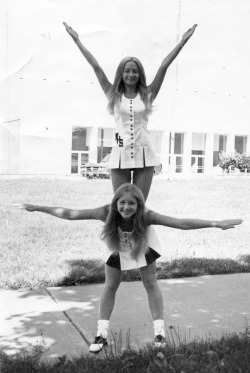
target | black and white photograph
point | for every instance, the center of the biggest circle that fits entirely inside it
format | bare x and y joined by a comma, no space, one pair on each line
124,186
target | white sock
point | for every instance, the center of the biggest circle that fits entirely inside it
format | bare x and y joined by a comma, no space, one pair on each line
102,328
159,327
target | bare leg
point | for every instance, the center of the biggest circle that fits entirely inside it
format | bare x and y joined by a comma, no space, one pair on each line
143,178
120,177
112,282
148,275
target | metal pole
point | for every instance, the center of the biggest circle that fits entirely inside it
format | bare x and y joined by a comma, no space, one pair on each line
172,159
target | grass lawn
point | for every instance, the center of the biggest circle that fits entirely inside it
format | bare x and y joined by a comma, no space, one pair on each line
230,354
40,250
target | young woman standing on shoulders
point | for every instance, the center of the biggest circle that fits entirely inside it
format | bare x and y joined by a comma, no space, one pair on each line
130,102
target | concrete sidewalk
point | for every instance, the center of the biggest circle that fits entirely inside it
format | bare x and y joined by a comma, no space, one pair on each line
64,319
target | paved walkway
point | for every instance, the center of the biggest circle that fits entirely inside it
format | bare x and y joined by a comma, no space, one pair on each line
63,319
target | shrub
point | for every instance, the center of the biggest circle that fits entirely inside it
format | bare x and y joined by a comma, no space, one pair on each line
236,160
226,160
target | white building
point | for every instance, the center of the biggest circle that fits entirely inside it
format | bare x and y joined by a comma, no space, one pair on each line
61,146
53,114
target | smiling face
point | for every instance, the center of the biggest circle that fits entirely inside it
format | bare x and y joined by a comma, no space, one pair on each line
131,74
127,205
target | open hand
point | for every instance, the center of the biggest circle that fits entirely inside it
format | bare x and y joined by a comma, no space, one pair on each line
188,33
24,206
228,224
71,32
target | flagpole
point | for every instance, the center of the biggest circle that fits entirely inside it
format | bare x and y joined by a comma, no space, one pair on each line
172,133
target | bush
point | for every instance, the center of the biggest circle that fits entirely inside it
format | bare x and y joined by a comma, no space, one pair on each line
243,162
233,161
91,271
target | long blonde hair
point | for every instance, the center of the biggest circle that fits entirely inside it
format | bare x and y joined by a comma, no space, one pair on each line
110,231
117,89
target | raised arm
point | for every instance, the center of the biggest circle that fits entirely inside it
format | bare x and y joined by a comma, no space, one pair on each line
155,86
99,213
103,80
186,224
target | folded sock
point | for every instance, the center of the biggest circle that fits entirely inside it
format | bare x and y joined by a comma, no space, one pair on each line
102,328
159,327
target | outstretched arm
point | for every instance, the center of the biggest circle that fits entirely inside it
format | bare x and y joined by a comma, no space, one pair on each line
103,80
155,86
99,213
185,224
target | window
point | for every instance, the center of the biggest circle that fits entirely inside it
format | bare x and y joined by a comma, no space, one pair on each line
178,143
79,138
80,148
198,152
198,143
74,163
240,144
178,164
197,165
84,158
106,138
220,144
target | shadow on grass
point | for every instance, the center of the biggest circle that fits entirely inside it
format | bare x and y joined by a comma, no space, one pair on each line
91,271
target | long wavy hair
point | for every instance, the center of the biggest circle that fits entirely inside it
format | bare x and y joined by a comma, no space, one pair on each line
110,230
117,89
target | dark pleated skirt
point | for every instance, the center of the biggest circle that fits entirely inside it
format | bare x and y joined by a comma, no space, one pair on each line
114,259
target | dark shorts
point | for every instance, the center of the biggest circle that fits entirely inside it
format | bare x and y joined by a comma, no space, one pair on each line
114,259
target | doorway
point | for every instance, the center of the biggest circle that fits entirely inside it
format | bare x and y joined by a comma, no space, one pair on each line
77,159
197,164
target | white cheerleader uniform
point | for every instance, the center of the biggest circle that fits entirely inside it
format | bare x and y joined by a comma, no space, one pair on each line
132,148
123,260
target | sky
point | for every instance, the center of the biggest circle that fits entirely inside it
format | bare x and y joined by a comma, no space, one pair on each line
210,74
